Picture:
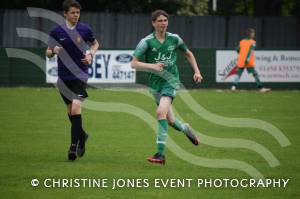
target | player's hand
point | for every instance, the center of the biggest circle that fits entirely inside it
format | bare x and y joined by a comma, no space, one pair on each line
158,66
197,77
57,49
88,58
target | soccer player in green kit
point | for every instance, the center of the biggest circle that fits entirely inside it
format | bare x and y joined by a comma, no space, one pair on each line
156,53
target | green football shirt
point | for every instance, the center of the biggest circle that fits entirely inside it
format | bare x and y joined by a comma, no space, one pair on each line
151,50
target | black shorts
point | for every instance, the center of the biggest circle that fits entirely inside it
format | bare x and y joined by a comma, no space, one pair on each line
72,89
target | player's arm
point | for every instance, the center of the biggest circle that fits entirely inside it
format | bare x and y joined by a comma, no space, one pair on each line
89,56
191,58
139,65
238,49
53,47
93,44
94,47
50,52
139,52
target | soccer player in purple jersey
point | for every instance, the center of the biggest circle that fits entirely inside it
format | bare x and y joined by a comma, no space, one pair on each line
70,41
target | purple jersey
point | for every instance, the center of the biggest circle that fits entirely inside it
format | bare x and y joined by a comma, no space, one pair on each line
74,42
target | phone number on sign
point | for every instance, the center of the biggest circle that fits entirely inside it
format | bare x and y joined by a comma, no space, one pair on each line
123,75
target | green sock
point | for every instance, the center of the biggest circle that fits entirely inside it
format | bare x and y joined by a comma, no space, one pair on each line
161,135
178,125
238,76
257,80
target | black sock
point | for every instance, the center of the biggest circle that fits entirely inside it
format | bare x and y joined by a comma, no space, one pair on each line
81,135
70,118
76,129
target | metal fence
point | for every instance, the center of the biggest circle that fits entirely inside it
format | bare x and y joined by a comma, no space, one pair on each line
123,31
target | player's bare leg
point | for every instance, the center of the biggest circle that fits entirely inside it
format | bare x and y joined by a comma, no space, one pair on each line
78,136
161,114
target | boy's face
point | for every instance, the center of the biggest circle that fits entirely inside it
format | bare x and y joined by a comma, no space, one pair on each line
72,15
252,34
160,24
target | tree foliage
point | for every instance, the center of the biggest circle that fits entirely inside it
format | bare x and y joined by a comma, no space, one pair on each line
178,7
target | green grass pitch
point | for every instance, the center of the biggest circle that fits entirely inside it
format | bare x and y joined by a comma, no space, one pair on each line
34,139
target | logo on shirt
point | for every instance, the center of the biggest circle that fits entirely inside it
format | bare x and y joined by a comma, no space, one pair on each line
61,39
171,48
154,49
78,40
165,58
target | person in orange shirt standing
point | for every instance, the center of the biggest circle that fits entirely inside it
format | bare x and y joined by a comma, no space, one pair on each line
246,60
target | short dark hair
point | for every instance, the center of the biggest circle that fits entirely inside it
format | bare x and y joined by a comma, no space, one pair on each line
67,4
157,13
249,31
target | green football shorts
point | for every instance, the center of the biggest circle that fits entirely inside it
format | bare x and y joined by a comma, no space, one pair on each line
167,90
